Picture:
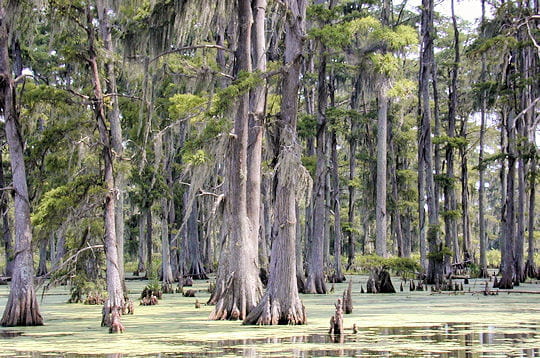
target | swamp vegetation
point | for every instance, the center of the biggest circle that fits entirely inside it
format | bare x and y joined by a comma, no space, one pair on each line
209,177
464,324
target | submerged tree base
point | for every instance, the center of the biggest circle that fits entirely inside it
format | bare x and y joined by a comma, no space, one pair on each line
22,311
273,312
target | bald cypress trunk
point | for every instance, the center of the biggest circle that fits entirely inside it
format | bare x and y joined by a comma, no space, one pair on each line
238,287
22,308
113,115
315,282
6,230
115,301
435,259
281,303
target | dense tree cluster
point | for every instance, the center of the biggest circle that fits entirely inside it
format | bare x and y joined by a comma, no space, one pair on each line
273,143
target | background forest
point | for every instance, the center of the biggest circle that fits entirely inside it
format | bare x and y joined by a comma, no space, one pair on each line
274,144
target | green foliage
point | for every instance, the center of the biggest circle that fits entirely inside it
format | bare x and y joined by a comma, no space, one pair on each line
399,265
384,63
186,105
307,126
230,94
56,204
493,258
199,157
451,213
310,163
440,254
403,88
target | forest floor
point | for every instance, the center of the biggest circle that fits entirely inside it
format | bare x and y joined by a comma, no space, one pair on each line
466,324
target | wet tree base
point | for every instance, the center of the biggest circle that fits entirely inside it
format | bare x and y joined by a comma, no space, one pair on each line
274,312
22,311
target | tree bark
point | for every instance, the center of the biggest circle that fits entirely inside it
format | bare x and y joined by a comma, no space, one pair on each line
113,115
508,223
115,300
382,131
238,287
436,260
6,230
257,101
353,144
338,237
450,202
315,282
22,308
281,303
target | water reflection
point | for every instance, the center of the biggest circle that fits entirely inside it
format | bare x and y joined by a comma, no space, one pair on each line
444,341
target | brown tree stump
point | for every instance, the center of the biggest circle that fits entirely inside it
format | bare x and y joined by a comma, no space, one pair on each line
336,321
347,299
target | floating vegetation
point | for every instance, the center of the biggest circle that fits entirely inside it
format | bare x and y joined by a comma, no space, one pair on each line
417,323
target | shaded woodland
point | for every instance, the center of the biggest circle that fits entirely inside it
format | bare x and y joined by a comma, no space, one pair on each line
271,145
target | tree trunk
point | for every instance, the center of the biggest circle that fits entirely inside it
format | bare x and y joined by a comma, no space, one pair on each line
530,266
6,230
508,223
238,287
22,308
42,266
353,144
113,116
115,300
450,202
166,268
382,131
436,259
315,282
281,303
338,237
196,267
142,245
257,101
148,241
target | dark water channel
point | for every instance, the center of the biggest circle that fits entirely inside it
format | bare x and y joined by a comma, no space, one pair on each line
445,340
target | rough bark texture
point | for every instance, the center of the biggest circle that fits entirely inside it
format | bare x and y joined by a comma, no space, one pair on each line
338,236
115,300
257,100
450,202
6,230
508,223
435,262
382,131
113,115
196,268
315,282
238,287
22,307
281,303
353,144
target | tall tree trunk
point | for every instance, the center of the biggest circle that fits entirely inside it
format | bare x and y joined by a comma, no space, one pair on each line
353,144
450,202
338,237
142,244
22,308
238,287
149,233
436,260
113,116
6,230
42,266
115,301
281,303
530,266
382,131
509,222
257,103
196,268
315,282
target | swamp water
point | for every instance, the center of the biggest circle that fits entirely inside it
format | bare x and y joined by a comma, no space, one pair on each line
408,324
